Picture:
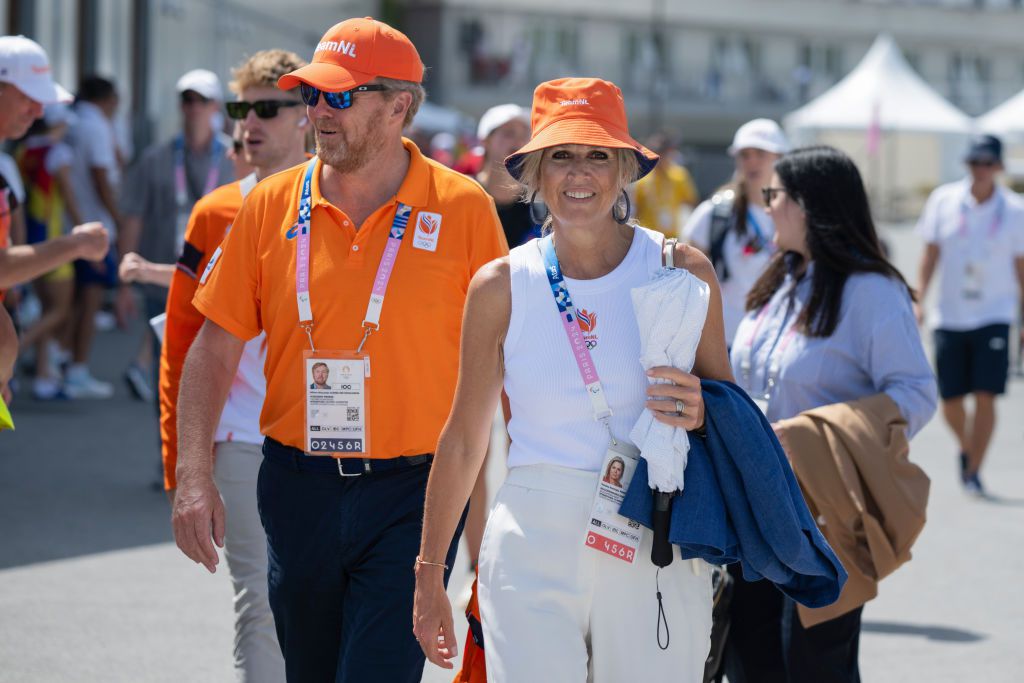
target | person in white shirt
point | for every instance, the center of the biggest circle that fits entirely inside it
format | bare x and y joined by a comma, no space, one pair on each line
732,227
95,176
974,235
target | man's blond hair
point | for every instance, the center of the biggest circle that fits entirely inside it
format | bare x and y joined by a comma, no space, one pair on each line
263,69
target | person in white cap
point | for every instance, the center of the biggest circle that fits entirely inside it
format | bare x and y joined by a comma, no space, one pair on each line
732,227
157,199
502,130
26,85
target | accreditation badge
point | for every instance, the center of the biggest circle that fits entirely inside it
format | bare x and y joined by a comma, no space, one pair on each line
336,387
974,280
608,531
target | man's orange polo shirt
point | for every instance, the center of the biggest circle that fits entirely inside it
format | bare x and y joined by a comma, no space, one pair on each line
211,217
415,354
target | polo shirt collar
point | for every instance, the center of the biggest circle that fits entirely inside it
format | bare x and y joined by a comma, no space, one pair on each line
414,190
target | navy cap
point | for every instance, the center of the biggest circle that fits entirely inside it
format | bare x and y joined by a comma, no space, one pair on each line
985,148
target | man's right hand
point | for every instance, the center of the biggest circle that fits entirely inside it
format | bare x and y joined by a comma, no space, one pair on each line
198,513
93,241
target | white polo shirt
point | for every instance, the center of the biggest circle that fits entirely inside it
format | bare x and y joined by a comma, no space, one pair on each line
978,245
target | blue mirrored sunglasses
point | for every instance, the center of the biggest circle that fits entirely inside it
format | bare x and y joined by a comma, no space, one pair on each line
335,100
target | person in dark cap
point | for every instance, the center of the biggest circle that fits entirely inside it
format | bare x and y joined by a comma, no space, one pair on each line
974,236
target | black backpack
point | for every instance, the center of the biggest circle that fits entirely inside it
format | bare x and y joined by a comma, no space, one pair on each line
722,221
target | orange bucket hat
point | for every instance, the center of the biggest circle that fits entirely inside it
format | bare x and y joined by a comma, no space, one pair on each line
355,52
580,111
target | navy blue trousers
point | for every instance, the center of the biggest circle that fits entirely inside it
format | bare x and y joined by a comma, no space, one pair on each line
341,553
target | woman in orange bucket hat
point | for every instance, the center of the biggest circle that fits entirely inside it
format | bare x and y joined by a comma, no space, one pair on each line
553,324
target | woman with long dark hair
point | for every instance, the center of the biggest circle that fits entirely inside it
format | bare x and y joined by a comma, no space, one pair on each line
830,321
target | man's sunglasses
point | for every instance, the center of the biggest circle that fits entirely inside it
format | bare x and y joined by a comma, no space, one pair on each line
335,100
265,109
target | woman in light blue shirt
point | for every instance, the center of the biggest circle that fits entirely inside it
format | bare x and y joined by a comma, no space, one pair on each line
829,321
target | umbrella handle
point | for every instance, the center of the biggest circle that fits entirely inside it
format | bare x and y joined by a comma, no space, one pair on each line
661,549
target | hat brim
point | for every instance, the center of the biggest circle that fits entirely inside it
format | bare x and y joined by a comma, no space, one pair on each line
44,91
583,131
328,77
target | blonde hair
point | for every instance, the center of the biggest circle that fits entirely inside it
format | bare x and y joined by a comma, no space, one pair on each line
529,175
414,89
263,69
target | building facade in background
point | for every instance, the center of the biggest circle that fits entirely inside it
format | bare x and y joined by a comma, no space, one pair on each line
696,67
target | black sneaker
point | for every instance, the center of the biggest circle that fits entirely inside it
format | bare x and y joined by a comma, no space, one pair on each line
973,485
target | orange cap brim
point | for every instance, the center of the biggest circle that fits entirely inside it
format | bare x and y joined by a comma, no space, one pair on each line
329,77
583,131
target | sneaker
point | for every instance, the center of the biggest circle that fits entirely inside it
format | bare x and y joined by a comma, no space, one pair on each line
47,389
80,384
973,485
135,378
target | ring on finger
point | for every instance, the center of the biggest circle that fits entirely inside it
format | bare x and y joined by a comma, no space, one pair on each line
679,407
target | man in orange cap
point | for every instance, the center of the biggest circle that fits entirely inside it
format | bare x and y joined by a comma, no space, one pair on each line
359,260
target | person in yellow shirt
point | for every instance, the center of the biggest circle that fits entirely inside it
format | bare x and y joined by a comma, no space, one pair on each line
661,195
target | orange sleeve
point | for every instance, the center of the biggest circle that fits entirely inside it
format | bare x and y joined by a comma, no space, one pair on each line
181,328
230,287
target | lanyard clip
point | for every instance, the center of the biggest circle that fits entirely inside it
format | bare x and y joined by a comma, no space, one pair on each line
368,328
607,422
308,329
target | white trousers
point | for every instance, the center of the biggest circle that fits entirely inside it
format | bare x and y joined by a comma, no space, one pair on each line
258,657
555,610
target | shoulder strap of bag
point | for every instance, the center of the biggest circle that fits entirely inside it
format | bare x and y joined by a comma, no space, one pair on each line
721,221
668,253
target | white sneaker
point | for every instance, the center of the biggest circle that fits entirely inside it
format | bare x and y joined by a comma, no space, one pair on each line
78,383
47,389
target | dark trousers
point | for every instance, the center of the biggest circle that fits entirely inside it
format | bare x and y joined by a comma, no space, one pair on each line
768,644
341,552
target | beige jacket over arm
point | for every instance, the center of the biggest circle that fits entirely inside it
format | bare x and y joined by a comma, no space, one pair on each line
851,460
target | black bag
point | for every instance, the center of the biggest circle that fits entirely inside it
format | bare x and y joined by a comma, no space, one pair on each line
721,591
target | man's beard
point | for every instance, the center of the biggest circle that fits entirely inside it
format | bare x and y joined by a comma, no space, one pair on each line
345,155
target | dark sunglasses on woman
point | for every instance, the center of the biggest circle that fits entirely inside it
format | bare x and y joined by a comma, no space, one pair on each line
335,100
265,109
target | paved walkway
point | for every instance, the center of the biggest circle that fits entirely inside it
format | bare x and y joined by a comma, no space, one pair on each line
92,589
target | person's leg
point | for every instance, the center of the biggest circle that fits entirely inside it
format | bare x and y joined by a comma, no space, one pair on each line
305,520
991,365
377,642
982,427
826,653
753,650
626,633
90,298
955,414
536,583
257,654
953,369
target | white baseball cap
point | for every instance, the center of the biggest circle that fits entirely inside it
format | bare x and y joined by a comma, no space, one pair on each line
202,81
763,134
24,64
496,117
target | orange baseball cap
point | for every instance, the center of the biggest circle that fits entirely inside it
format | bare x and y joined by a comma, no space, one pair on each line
354,52
580,111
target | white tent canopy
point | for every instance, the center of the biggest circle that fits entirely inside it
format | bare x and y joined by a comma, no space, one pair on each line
884,90
1006,119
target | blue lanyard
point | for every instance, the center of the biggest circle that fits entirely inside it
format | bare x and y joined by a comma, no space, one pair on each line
758,242
581,354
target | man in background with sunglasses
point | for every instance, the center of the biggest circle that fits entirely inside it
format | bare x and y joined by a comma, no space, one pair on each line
273,128
361,260
157,196
974,235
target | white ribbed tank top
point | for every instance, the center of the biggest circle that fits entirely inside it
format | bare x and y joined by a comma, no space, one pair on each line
552,418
